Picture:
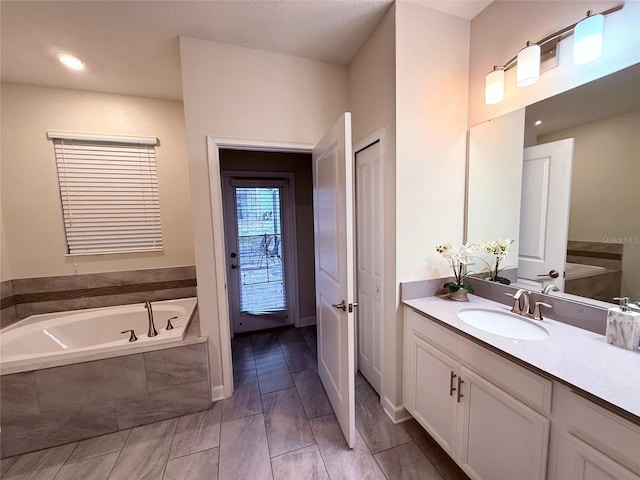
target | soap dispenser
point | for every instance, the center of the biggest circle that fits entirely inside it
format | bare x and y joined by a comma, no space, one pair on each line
623,325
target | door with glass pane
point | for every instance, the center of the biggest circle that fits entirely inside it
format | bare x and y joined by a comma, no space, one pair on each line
258,236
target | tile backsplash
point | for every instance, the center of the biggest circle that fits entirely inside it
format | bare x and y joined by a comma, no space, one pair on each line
29,296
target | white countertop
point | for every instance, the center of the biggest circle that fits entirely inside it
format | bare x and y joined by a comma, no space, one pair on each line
578,357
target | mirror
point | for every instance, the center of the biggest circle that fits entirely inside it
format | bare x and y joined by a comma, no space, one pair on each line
562,179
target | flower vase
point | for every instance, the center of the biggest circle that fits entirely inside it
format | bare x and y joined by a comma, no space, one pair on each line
459,295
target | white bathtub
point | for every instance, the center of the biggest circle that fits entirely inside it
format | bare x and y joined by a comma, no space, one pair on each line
81,334
579,270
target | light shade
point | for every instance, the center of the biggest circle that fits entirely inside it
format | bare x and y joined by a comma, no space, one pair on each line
494,87
528,65
587,39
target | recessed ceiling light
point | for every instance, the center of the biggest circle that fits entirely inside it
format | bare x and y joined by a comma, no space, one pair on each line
72,62
538,122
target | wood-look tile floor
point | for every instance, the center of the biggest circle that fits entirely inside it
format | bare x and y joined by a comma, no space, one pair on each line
278,425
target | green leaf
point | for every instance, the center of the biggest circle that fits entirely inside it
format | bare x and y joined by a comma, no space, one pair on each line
469,288
504,281
453,287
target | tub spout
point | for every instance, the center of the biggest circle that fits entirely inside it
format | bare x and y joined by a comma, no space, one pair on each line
152,328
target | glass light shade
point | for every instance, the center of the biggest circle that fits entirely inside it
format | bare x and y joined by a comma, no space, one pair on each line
528,65
494,87
587,39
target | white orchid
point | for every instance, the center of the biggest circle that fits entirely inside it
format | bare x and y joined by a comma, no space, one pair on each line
499,248
458,257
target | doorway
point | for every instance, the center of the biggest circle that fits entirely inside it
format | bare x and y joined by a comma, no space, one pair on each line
259,230
369,261
268,225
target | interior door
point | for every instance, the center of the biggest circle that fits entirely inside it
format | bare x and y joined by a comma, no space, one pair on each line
369,261
544,212
333,231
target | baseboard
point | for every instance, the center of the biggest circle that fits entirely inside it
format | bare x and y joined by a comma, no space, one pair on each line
395,413
306,321
217,393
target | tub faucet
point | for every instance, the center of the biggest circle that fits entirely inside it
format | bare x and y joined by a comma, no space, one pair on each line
152,328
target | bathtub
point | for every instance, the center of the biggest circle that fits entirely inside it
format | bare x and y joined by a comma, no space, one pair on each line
57,338
579,270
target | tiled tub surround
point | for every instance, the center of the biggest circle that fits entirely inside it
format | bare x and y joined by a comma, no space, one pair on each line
603,285
24,297
58,405
55,338
576,357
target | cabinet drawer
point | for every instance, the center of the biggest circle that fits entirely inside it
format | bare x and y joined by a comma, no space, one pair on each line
529,387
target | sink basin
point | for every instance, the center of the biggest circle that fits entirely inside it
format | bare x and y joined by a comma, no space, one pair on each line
504,324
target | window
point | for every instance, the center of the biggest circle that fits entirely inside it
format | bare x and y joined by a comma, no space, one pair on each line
109,193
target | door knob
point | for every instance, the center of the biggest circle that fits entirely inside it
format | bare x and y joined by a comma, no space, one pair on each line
341,306
552,274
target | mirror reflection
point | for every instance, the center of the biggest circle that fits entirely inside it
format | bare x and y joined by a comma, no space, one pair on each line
562,178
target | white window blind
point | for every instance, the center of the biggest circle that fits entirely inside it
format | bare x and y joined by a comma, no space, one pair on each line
109,194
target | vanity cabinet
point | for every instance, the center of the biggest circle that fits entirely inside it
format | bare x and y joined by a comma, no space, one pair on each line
487,430
594,444
499,419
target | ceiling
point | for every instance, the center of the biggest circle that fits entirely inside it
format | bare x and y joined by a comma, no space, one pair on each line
131,47
614,94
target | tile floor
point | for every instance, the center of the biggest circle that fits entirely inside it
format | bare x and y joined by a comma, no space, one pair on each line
278,425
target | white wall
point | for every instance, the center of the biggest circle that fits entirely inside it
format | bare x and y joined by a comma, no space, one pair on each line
432,70
237,92
372,102
503,28
605,188
432,56
33,242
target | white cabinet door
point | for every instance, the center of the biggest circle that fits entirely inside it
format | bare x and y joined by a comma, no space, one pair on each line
581,461
499,436
430,394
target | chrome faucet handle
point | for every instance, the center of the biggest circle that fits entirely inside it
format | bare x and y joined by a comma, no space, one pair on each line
550,288
169,325
537,313
132,337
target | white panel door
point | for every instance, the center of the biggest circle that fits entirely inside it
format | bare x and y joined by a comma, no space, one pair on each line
581,461
544,212
369,262
333,229
500,437
431,384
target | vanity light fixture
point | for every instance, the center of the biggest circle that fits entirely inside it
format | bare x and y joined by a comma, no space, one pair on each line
587,47
494,90
587,39
71,61
528,63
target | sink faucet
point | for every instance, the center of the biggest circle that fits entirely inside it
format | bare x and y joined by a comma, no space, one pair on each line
521,305
152,328
550,288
